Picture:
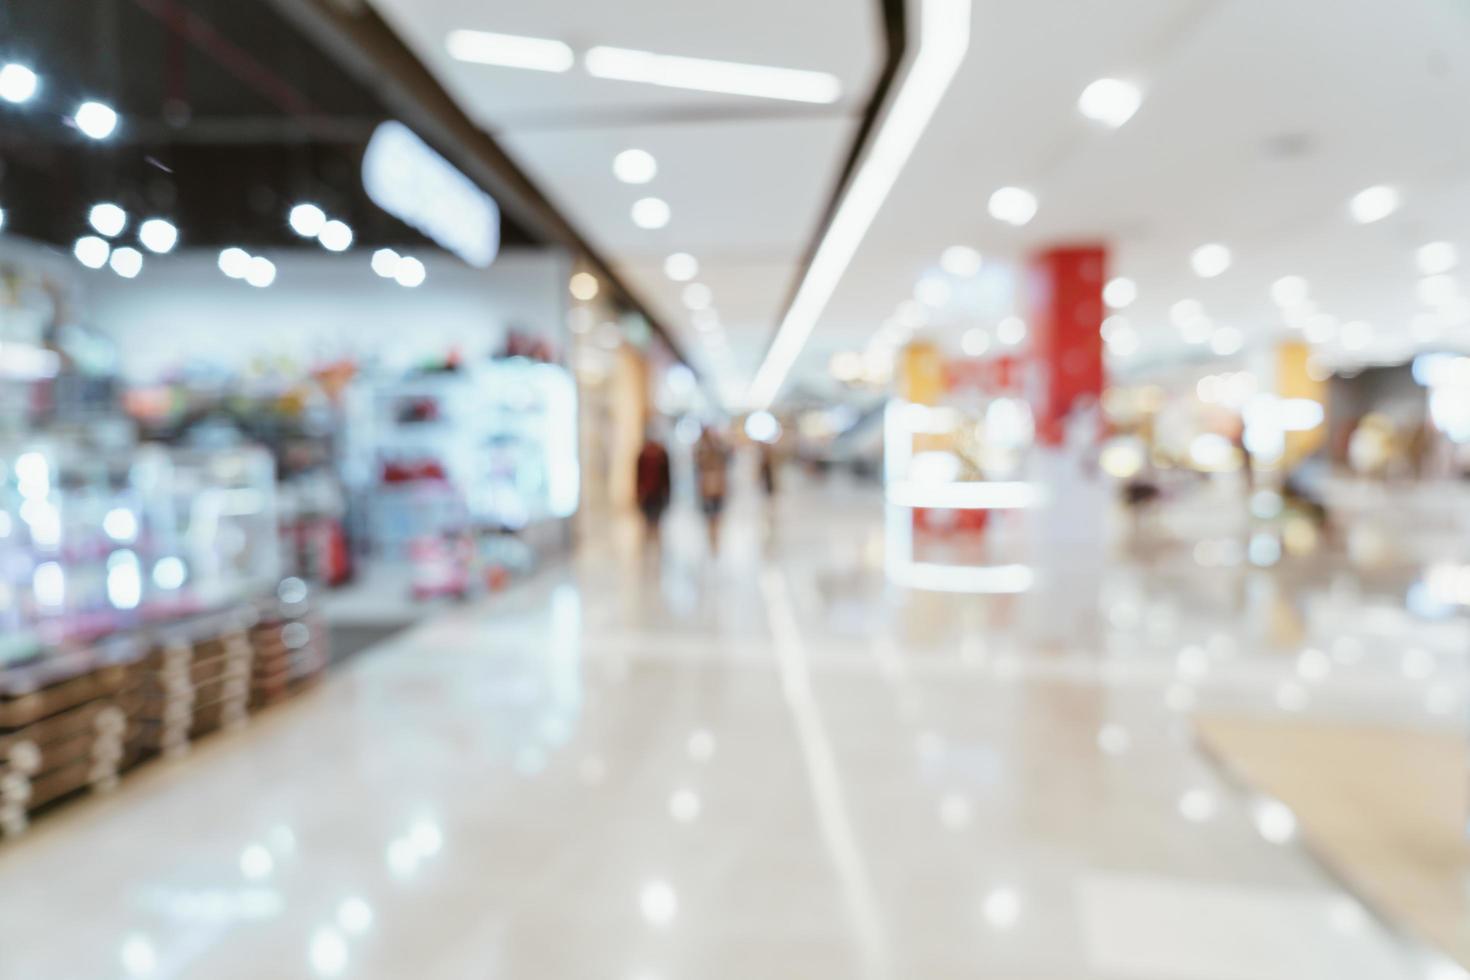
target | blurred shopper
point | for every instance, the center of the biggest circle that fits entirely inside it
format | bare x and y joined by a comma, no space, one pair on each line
712,470
768,470
654,487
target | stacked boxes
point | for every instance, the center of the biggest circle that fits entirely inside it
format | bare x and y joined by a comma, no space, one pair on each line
195,680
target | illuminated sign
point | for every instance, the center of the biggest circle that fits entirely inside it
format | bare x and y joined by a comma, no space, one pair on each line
406,178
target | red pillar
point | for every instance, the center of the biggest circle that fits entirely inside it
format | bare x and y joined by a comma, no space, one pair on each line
1064,298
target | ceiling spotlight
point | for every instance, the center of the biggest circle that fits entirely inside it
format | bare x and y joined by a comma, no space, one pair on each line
95,120
234,262
411,272
1013,205
697,296
681,267
260,272
126,261
933,291
650,213
2,218
1120,292
107,219
385,262
510,51
307,220
17,83
1011,331
1110,101
704,75
961,261
1437,258
1290,292
1374,204
158,235
91,251
635,166
1226,341
335,236
584,286
1210,260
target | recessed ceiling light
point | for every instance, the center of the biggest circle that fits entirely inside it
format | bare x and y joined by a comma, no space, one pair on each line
1110,101
635,166
704,75
584,286
158,235
335,236
510,51
385,262
126,261
1120,292
944,37
1013,205
1290,291
91,251
307,220
1209,261
1226,341
651,213
1374,204
975,342
410,272
17,83
260,272
697,296
95,120
681,267
961,261
1437,257
108,219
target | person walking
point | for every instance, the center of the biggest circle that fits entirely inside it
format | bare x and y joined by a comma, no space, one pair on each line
654,487
712,469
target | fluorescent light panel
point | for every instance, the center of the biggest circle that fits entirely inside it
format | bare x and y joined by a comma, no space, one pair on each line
510,51
704,75
944,38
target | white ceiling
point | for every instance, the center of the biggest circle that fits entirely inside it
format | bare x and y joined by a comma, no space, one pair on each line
746,179
1371,92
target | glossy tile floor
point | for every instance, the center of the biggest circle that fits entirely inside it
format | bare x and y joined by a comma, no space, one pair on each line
772,764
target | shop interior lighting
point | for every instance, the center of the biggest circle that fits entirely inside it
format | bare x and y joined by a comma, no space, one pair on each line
651,213
944,38
158,235
107,219
307,220
18,84
92,251
410,272
584,286
95,120
1110,101
1011,331
126,261
1436,258
681,267
1015,206
335,236
961,261
1374,204
260,272
385,262
1209,261
510,51
2,218
234,262
697,296
1290,292
1120,292
704,75
635,166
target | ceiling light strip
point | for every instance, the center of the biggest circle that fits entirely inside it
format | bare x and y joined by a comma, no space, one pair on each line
704,75
944,38
510,51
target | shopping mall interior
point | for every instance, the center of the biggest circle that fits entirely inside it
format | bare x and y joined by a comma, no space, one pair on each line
813,489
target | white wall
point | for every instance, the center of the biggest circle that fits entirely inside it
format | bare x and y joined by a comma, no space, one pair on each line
182,309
